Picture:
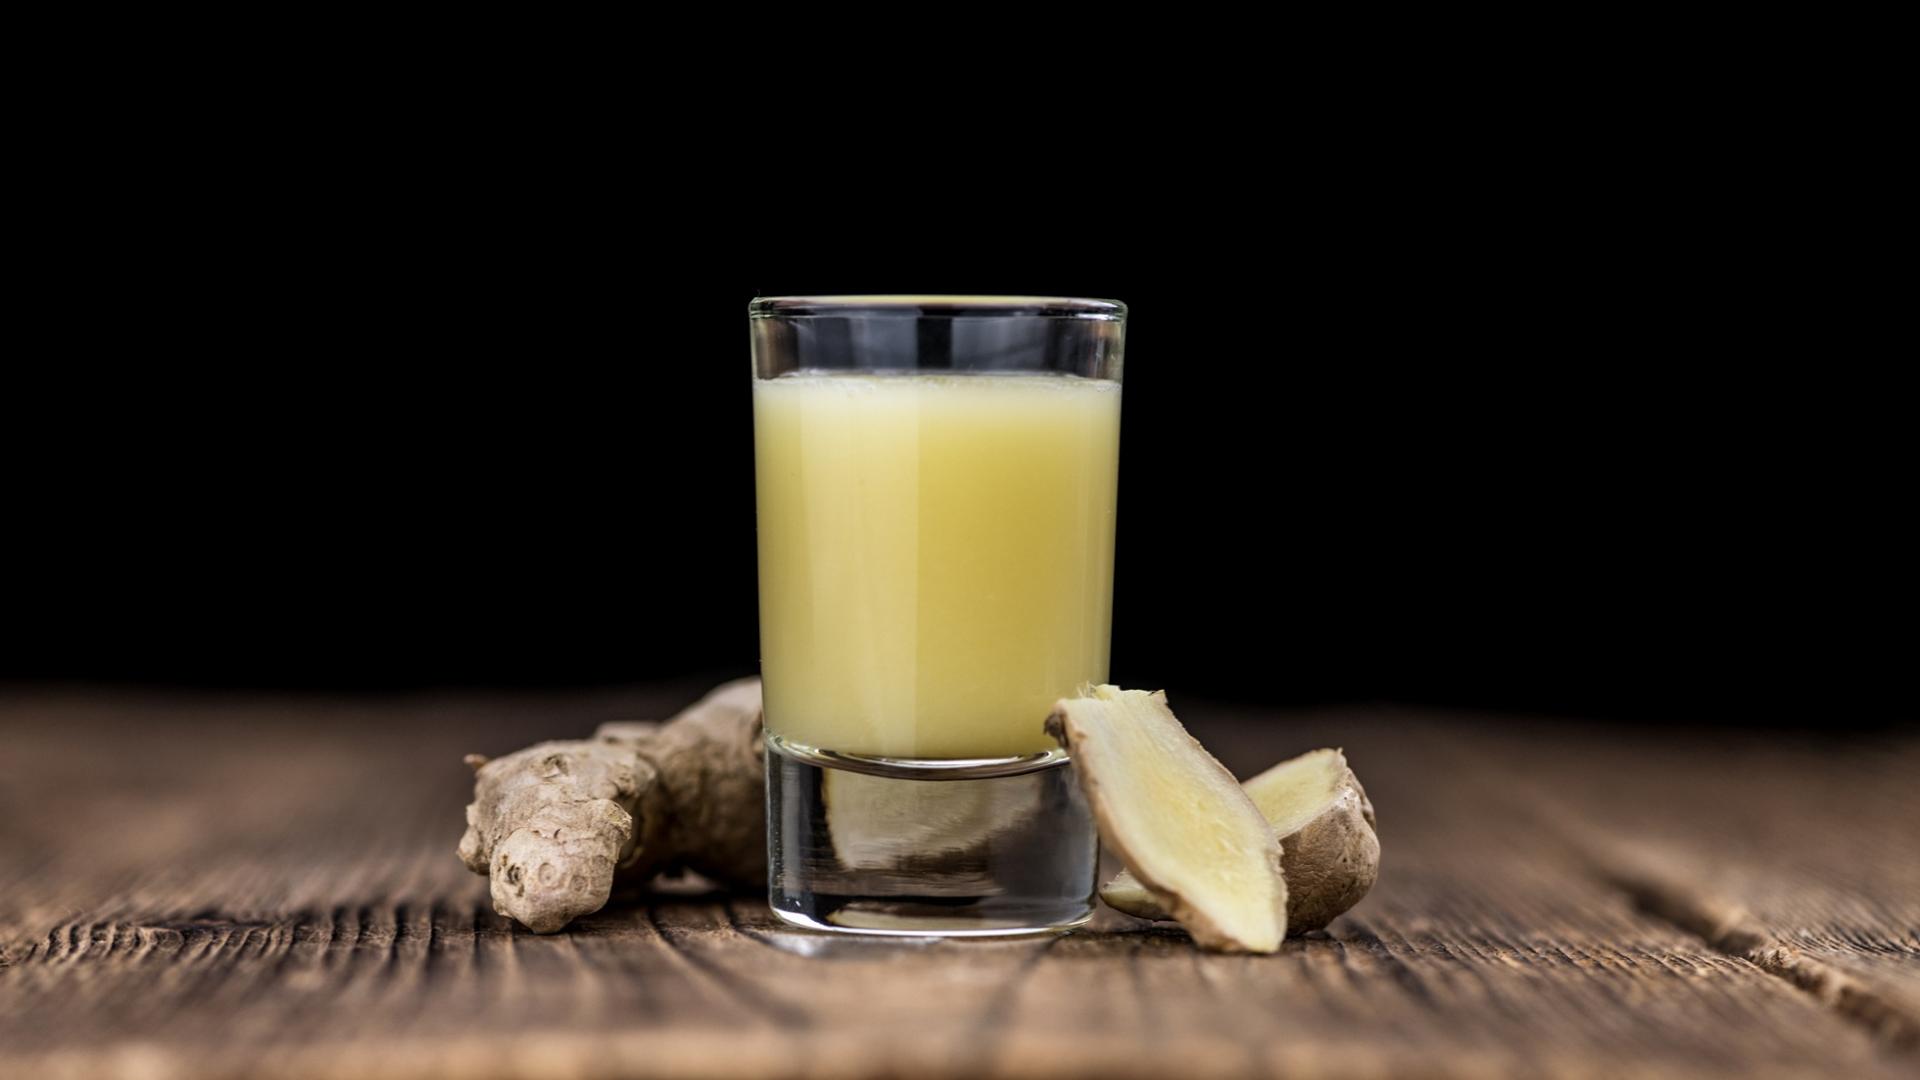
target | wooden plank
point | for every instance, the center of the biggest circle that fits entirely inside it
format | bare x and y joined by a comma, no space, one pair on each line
1798,855
267,888
1493,899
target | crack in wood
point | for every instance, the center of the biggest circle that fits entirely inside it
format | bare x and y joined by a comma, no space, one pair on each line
1728,928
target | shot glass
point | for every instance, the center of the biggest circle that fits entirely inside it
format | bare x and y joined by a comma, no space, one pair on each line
936,481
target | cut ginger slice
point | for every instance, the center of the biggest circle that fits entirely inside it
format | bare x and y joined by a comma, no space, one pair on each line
1194,840
1326,828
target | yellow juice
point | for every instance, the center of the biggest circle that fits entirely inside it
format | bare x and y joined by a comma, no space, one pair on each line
936,556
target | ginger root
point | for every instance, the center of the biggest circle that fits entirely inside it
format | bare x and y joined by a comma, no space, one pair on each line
554,824
1193,838
1330,852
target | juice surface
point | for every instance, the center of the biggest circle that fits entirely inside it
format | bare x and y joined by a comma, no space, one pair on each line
936,556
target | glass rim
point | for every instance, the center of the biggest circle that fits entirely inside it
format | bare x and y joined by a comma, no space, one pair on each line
921,305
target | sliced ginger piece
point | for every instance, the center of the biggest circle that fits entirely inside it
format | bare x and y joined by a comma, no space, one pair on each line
1195,841
1326,828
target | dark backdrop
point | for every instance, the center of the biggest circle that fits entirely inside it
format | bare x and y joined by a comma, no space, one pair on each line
1476,457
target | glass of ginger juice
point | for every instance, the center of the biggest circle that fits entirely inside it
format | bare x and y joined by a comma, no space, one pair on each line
936,482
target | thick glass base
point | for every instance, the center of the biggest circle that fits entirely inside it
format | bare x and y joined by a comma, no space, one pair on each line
949,848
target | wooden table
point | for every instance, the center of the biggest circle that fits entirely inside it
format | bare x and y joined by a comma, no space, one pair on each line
259,887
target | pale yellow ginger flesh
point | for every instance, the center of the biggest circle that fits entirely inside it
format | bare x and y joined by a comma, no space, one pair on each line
1193,838
1326,828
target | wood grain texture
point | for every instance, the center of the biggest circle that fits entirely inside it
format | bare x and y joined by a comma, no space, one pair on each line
194,887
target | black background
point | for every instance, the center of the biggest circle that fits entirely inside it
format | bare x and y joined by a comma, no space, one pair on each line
1553,454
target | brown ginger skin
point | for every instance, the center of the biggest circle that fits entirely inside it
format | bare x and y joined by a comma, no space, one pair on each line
555,824
1332,862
